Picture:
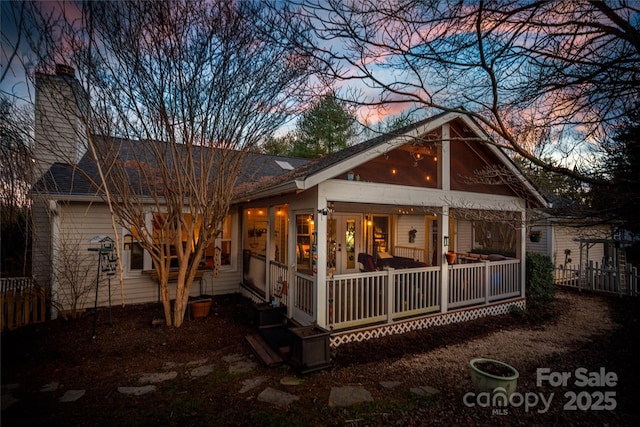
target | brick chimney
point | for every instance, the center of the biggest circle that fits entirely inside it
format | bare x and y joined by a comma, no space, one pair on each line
59,119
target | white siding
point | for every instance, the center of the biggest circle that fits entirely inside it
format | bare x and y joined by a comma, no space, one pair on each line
464,236
59,131
407,222
557,239
79,223
564,239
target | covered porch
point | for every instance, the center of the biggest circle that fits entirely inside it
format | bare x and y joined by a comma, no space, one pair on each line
384,266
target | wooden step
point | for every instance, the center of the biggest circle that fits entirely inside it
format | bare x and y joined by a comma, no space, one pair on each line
263,351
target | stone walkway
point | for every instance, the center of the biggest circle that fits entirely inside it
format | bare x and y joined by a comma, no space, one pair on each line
340,396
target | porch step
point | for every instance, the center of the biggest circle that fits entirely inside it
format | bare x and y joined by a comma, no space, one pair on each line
263,350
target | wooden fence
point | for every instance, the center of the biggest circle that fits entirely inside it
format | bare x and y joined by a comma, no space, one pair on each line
593,277
21,302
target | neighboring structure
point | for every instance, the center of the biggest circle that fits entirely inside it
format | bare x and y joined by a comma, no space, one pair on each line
354,242
584,255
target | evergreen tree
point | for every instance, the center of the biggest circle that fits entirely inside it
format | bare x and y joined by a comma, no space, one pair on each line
325,128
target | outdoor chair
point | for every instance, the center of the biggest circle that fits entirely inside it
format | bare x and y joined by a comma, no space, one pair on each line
367,262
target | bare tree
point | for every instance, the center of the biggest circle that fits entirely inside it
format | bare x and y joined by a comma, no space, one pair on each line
179,92
557,75
15,177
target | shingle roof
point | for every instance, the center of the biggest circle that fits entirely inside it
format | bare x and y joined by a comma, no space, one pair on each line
83,179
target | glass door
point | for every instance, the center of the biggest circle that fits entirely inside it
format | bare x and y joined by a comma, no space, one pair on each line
344,243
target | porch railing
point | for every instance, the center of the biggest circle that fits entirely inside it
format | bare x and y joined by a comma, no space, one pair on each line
417,254
386,296
304,292
483,282
278,286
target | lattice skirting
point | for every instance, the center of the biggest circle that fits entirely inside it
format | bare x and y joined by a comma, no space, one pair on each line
251,295
458,316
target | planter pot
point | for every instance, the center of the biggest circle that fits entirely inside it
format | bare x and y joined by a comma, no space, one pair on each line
451,257
309,349
489,374
535,238
266,315
200,308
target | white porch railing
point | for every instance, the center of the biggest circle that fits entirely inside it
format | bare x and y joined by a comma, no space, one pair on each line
480,282
390,295
304,294
278,282
417,254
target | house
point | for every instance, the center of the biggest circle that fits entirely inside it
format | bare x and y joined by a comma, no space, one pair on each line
355,242
585,255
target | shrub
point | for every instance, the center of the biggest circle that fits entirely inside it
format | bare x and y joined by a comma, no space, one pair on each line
539,280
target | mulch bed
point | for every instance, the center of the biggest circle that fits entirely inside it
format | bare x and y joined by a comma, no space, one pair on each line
128,345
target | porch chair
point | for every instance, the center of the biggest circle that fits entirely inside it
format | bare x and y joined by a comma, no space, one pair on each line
367,262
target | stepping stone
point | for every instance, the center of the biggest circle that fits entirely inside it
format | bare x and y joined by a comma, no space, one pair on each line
251,383
157,377
137,391
349,395
50,387
72,395
239,364
277,397
201,371
197,362
390,384
424,391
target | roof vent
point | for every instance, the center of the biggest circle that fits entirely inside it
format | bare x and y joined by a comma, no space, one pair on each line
284,165
65,70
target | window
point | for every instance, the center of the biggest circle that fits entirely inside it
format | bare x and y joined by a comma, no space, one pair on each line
304,242
218,253
221,249
135,252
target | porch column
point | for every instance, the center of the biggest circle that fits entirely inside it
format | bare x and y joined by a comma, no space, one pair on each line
271,218
521,252
321,263
443,226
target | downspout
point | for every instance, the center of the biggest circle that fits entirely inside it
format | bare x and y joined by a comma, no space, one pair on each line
54,242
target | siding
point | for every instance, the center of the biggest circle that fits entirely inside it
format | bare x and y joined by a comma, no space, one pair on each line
79,223
564,239
407,222
59,132
41,243
464,236
557,239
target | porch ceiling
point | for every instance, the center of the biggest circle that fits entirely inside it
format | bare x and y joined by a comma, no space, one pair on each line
386,209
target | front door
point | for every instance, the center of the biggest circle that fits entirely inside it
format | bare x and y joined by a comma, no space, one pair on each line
345,242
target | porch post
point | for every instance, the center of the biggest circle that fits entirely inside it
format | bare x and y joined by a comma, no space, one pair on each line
522,249
271,217
443,220
443,226
321,263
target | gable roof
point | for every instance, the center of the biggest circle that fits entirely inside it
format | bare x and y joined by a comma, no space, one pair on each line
334,164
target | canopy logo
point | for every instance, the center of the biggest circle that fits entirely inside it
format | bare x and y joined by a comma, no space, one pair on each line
500,401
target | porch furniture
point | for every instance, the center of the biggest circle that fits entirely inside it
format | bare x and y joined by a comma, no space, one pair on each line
399,262
367,262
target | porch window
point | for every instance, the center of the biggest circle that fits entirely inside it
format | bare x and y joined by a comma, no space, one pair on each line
305,226
279,250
